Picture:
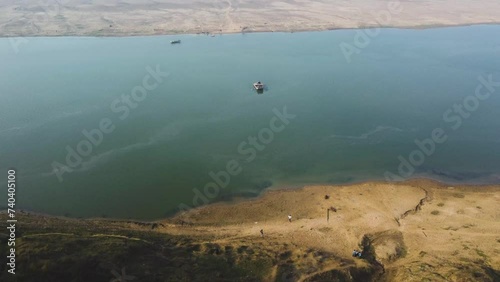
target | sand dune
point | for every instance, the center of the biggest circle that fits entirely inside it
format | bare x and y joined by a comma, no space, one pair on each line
130,17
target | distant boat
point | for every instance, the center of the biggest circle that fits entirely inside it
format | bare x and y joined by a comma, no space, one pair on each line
258,86
175,42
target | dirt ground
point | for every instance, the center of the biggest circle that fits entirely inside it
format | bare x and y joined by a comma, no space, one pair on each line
134,17
419,230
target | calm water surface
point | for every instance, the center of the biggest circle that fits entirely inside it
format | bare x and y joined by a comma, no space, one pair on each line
352,120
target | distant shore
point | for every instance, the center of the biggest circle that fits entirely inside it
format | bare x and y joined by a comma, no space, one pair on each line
249,32
169,17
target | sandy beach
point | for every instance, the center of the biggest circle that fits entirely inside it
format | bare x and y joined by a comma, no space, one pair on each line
125,18
420,229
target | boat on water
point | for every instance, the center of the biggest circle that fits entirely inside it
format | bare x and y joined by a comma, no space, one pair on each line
259,86
175,42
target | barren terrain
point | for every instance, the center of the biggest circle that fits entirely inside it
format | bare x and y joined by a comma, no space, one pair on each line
138,17
414,231
419,230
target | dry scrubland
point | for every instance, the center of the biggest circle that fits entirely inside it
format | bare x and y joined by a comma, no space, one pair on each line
414,231
143,17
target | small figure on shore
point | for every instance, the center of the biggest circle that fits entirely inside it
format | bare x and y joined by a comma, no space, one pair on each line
356,254
262,233
289,218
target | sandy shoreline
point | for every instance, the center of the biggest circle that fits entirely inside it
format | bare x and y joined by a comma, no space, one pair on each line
275,192
424,27
167,17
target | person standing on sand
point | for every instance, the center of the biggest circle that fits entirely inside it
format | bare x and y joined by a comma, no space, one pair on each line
289,218
262,233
